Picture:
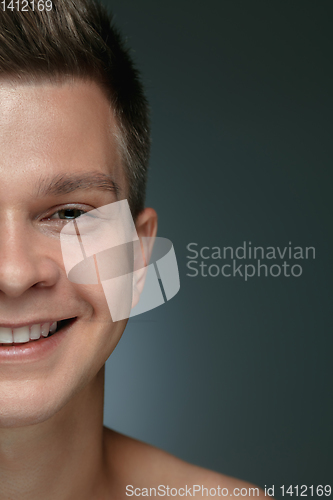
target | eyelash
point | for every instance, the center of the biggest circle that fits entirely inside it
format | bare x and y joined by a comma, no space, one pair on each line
67,209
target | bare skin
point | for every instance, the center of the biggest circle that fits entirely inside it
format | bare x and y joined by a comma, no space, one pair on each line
52,441
138,465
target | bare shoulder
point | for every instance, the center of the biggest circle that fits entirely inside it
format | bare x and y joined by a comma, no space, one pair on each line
143,470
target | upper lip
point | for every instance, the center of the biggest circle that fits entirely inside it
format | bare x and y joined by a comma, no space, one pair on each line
30,323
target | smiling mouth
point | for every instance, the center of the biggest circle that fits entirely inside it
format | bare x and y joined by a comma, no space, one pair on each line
32,333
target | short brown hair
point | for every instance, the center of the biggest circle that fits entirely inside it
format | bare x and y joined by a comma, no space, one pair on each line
76,38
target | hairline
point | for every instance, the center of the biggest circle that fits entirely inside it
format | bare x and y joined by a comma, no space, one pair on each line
60,79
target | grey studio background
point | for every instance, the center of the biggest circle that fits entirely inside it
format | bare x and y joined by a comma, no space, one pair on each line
231,375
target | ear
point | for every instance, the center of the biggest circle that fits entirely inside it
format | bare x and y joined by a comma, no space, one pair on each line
146,227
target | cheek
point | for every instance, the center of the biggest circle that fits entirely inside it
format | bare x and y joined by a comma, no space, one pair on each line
99,333
96,306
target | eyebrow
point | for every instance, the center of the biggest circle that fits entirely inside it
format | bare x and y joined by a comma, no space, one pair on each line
67,183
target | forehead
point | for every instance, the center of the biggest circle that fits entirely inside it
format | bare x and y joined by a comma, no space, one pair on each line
54,129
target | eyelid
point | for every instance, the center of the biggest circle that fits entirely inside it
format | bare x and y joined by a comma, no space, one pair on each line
69,206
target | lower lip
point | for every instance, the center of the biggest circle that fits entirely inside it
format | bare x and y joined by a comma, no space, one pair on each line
35,349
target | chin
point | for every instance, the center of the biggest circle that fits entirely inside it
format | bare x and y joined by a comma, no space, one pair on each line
25,403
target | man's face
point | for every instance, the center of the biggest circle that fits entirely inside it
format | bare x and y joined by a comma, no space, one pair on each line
51,137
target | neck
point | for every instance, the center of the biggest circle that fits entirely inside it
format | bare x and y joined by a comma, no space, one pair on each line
61,458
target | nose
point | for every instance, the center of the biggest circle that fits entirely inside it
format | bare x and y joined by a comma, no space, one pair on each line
25,260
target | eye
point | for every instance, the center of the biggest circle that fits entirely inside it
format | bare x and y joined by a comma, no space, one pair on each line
68,214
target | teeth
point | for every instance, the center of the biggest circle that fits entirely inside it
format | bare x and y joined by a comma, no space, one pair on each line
35,332
6,336
45,328
26,333
21,335
53,327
